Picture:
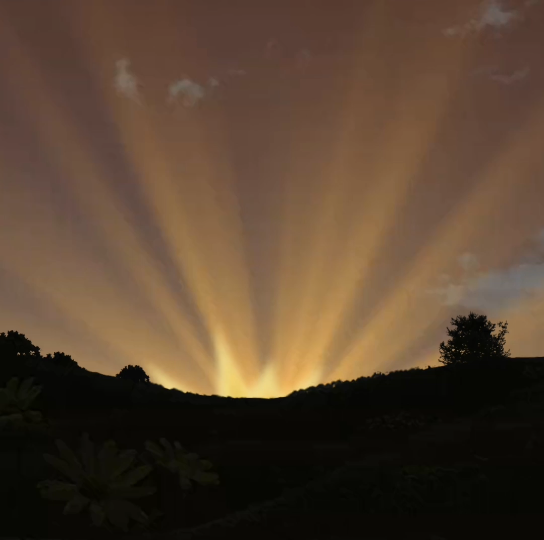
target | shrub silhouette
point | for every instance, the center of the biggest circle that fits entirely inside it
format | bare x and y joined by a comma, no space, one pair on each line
472,340
133,373
18,344
62,360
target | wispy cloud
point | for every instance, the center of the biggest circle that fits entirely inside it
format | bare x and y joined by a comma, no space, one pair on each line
468,262
518,75
502,78
491,14
187,90
125,82
495,289
213,82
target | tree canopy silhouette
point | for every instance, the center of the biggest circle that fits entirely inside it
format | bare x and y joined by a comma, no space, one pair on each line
473,340
133,373
18,344
62,360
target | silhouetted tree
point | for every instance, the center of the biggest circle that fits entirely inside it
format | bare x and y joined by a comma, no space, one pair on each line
62,360
133,373
17,343
473,340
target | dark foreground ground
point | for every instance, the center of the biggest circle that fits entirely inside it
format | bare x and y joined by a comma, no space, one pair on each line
322,471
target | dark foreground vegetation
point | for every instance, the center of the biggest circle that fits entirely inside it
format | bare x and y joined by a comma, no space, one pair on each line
447,452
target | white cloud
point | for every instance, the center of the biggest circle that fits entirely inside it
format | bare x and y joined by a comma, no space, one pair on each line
484,70
190,91
468,261
518,75
494,290
451,294
492,14
125,82
494,74
213,82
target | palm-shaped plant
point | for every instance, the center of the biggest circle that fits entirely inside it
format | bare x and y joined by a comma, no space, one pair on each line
15,402
102,482
188,466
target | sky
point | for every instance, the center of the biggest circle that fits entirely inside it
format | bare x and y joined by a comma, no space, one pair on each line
248,198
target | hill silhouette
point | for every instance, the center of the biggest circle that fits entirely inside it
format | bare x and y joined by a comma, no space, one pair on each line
414,452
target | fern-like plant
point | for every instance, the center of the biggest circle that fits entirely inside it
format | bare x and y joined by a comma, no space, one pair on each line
102,482
188,466
15,401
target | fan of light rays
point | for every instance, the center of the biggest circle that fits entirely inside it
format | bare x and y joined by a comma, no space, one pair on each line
325,262
87,292
315,300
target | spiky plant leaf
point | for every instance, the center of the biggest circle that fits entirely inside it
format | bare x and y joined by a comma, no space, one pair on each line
98,514
106,488
154,449
119,512
178,447
76,504
169,451
27,399
88,454
123,461
107,460
56,490
206,465
63,467
24,388
69,457
27,392
133,476
165,456
132,492
188,466
206,478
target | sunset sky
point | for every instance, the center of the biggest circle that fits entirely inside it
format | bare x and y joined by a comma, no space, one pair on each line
248,197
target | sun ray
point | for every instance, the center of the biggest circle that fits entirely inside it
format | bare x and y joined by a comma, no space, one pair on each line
494,191
69,149
199,219
315,309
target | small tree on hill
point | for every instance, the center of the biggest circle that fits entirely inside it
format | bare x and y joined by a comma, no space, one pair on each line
473,340
133,373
